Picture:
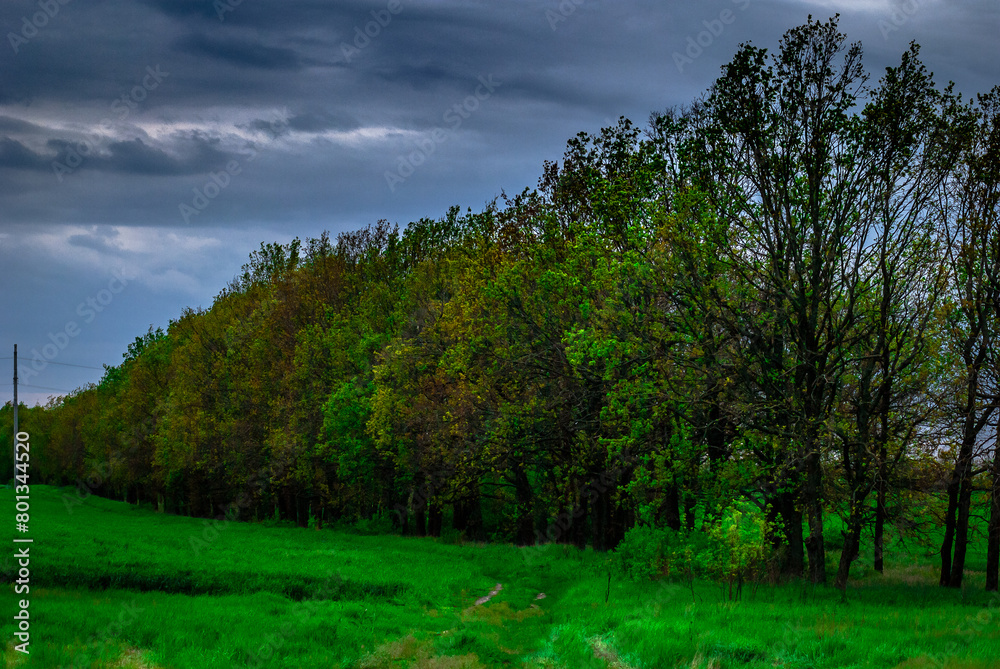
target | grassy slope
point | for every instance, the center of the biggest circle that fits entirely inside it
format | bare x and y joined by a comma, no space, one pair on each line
117,586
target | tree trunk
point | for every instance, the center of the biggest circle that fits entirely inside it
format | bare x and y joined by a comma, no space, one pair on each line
716,436
993,535
956,534
794,564
622,519
474,529
523,496
962,522
578,532
435,518
302,510
814,502
404,523
852,544
670,508
621,516
880,512
460,515
420,515
949,531
602,519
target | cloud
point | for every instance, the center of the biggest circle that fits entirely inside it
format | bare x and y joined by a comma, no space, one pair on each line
10,124
263,82
15,155
322,121
188,153
240,52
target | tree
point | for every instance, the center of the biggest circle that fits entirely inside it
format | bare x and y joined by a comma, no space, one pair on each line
794,180
904,133
971,210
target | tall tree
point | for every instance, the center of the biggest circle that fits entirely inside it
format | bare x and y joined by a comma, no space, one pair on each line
971,210
904,133
794,180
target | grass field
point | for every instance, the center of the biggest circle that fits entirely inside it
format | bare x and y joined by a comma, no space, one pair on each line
116,586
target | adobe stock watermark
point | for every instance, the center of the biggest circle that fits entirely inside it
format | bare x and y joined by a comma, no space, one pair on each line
122,106
219,181
453,117
697,44
381,18
88,311
902,12
562,12
31,25
223,7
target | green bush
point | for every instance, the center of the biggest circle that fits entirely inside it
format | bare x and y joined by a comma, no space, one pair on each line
741,546
648,552
733,549
642,553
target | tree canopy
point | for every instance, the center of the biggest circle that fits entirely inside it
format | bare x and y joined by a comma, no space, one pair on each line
785,295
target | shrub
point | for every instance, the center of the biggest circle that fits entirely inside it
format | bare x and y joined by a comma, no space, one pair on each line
734,549
641,554
741,546
648,552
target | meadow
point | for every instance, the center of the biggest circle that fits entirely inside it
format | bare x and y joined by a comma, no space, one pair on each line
115,585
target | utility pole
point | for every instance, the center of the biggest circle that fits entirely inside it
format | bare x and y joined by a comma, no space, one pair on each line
15,396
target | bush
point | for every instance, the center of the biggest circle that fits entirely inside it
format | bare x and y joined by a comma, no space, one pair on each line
741,546
736,548
641,554
648,552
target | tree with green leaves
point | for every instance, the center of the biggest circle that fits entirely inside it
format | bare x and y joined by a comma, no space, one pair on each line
971,216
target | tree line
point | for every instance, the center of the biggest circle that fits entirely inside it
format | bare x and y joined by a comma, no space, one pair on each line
786,293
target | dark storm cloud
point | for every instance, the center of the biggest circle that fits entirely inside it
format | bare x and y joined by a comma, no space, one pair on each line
265,15
345,66
320,121
8,124
202,9
134,156
97,239
241,52
15,155
306,122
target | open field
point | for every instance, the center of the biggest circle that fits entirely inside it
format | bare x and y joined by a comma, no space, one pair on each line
117,586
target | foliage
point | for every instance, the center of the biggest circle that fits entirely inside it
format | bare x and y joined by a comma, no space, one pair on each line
741,546
786,293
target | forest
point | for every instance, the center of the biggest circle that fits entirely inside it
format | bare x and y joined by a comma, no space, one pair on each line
783,297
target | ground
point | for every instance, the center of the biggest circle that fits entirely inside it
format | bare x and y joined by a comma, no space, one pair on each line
113,585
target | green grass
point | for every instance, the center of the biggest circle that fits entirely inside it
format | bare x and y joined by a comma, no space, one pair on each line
116,586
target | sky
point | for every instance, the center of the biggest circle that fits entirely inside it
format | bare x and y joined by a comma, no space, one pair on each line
148,146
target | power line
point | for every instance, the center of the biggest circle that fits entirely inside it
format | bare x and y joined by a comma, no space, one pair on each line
28,385
66,364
